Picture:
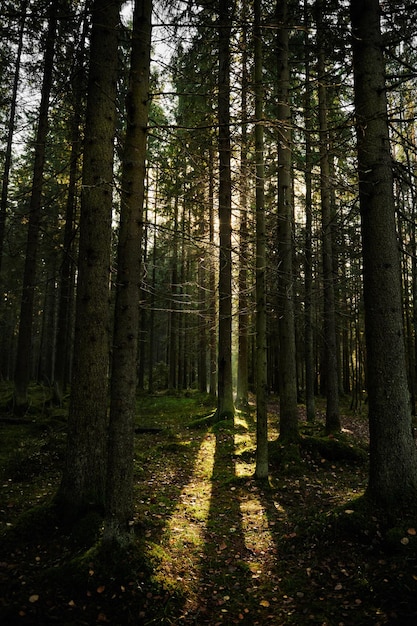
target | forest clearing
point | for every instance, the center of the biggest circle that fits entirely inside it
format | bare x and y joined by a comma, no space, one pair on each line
212,544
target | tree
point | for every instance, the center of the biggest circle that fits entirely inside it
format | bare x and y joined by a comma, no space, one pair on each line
329,304
68,267
84,477
287,350
393,453
119,492
261,470
225,407
244,317
308,253
10,133
23,358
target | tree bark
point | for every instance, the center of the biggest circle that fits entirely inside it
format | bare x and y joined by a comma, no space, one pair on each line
10,132
243,316
24,344
119,494
261,470
308,262
225,406
393,453
288,424
84,478
329,305
67,269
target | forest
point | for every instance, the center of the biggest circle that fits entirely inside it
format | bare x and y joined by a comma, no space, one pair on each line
208,324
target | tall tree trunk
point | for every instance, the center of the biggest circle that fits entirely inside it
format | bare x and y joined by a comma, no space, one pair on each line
225,407
84,477
119,500
329,313
261,470
308,262
10,133
23,357
174,315
67,269
393,453
152,297
212,282
288,425
243,315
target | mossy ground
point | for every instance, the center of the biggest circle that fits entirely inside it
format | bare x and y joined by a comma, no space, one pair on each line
212,545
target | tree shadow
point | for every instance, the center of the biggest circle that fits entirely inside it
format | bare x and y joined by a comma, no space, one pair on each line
225,551
69,570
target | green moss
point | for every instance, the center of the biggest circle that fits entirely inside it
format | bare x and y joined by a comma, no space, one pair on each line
333,449
286,457
201,422
224,425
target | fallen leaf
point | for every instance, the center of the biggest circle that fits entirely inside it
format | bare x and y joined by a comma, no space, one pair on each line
264,603
34,598
101,588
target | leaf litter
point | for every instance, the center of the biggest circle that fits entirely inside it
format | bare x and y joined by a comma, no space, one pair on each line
226,549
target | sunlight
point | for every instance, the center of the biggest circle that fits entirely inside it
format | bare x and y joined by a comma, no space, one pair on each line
194,501
184,534
244,446
255,524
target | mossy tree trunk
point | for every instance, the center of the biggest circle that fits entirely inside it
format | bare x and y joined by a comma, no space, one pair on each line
393,453
84,478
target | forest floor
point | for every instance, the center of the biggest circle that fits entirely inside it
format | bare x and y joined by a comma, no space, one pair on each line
213,545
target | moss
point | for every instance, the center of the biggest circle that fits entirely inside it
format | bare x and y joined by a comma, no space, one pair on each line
35,524
224,425
333,449
286,457
201,422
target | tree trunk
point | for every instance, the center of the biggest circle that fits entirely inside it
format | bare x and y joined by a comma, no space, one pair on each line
225,407
308,262
84,478
23,357
10,133
243,316
329,313
261,470
287,352
393,453
67,269
212,313
119,500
